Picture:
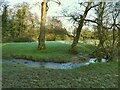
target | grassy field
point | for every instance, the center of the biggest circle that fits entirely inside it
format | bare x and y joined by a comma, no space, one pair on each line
56,51
99,75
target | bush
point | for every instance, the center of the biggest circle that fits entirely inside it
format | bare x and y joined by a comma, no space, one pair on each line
50,37
7,39
58,37
64,37
53,37
23,39
17,39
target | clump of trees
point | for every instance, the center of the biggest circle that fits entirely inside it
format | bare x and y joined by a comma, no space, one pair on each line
18,23
107,30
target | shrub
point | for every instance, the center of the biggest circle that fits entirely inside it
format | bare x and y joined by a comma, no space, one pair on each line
53,37
17,39
50,37
64,37
58,37
7,39
23,39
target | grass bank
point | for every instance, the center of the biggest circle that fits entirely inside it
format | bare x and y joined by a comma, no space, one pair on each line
99,75
56,51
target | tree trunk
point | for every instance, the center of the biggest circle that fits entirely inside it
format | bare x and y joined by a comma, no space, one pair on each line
114,32
41,39
118,46
113,43
73,49
101,50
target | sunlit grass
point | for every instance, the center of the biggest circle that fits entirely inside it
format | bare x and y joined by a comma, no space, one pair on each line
56,51
99,75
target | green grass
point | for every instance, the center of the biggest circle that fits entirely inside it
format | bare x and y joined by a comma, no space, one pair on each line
56,51
99,75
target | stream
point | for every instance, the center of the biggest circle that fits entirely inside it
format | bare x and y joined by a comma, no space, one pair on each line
52,65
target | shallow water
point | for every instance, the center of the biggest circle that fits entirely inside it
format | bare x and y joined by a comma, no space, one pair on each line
30,63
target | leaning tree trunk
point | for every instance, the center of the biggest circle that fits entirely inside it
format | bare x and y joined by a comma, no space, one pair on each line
73,48
41,39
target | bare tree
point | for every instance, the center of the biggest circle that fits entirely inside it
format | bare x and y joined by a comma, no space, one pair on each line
115,14
80,21
106,21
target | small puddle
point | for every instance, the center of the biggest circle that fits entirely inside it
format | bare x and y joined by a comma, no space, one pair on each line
52,65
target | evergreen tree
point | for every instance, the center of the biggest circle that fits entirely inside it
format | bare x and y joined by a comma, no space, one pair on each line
5,20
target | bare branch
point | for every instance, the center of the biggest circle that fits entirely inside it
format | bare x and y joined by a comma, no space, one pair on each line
1,2
93,6
56,1
93,21
82,4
